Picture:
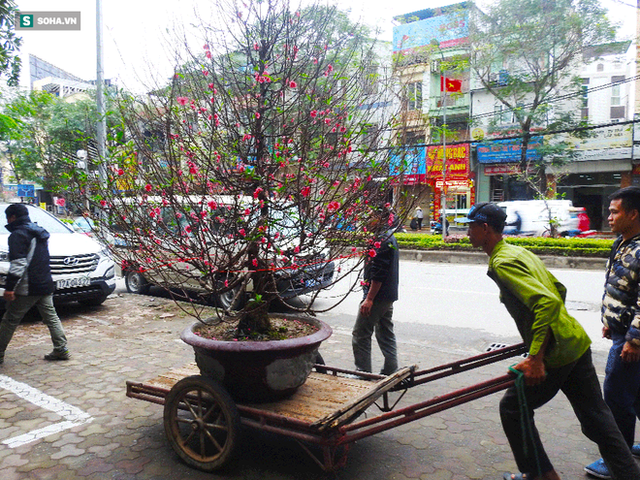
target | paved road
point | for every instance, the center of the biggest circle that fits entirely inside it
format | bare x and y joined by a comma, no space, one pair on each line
72,420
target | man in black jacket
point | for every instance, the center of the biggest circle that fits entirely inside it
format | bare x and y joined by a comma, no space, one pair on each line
29,281
381,274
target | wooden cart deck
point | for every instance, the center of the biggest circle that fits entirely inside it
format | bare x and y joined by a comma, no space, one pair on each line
323,401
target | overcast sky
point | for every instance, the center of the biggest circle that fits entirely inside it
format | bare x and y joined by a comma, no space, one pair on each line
135,33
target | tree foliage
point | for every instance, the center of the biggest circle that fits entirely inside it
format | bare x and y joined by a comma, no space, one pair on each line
42,134
263,151
524,54
9,43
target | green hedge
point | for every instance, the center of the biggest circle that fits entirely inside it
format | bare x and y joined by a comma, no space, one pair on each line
566,247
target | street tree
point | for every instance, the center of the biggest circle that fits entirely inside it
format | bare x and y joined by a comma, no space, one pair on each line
9,45
23,132
264,150
524,54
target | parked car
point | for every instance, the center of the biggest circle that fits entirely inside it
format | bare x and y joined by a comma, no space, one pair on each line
316,274
82,269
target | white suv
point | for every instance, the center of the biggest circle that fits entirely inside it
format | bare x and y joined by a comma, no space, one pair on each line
82,269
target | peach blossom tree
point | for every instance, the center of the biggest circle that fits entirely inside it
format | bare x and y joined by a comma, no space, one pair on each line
255,173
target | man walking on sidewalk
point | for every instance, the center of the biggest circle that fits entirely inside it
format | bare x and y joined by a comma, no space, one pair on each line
381,277
559,355
29,281
621,320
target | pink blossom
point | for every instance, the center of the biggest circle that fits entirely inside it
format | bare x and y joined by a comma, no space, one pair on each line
103,203
148,187
314,113
256,46
212,205
372,253
333,206
120,172
257,114
211,86
242,232
327,121
257,192
292,84
376,245
182,100
187,229
297,249
205,73
305,191
255,262
208,54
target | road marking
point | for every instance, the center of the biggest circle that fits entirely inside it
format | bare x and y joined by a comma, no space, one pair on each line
72,416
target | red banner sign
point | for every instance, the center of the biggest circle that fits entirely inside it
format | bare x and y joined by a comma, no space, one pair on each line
457,162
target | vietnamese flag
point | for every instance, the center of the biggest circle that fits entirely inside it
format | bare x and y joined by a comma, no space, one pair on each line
451,84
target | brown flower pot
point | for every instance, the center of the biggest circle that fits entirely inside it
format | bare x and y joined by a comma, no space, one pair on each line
259,371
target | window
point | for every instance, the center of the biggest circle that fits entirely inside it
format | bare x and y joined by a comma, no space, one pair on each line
370,80
600,67
413,138
616,90
585,98
414,96
502,114
370,136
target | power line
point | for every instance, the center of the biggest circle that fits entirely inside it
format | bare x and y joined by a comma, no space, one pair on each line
566,96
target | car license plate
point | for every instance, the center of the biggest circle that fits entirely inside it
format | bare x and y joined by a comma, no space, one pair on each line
72,282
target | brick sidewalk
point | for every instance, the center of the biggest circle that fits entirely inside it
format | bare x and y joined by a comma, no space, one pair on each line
136,338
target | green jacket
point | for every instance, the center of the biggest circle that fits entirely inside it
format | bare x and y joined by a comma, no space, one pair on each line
535,300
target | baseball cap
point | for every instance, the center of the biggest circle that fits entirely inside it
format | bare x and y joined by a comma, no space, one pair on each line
486,212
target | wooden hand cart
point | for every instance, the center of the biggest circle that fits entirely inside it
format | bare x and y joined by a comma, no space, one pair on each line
203,423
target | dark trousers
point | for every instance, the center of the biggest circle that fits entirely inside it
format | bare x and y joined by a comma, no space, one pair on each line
579,382
622,389
380,321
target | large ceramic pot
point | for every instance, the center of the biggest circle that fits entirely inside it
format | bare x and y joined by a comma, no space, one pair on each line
257,371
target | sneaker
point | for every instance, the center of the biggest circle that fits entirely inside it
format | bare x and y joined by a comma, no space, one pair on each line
58,355
635,450
598,469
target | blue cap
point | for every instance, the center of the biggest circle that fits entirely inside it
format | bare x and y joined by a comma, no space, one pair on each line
486,212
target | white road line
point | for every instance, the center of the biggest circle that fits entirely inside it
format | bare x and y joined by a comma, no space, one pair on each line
72,416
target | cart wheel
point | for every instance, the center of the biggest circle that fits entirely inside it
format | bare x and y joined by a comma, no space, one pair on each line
202,423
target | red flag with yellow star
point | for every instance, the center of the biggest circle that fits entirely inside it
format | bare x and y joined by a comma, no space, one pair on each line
450,85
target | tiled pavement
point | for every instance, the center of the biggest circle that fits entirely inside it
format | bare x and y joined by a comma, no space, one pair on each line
110,436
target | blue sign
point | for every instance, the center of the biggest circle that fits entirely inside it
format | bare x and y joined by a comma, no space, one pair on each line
449,30
26,191
409,162
507,151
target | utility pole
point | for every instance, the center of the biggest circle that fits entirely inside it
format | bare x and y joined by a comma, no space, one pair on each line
443,96
102,114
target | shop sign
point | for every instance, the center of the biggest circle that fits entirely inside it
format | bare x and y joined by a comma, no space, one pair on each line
457,162
449,30
504,169
615,136
408,164
508,151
